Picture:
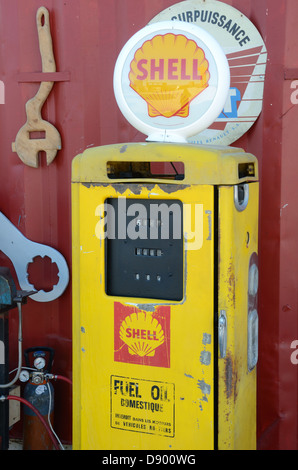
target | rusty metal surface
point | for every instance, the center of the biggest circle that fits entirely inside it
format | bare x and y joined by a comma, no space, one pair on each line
87,37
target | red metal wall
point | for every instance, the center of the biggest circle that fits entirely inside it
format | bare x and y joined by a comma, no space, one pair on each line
88,36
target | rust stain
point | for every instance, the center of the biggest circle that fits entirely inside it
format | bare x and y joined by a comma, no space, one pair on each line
171,188
231,284
231,377
137,188
228,376
123,148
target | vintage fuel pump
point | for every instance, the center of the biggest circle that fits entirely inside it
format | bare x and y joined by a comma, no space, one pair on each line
165,263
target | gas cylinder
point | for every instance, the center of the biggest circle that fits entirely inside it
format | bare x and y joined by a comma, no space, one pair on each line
40,393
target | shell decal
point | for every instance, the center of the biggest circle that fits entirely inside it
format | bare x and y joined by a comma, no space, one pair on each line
168,72
141,333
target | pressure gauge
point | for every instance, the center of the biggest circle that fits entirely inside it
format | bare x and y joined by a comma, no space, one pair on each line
24,376
39,362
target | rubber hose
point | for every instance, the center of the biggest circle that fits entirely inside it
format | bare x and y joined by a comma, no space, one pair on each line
27,403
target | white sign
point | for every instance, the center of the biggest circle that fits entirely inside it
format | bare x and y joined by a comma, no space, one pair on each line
171,80
247,57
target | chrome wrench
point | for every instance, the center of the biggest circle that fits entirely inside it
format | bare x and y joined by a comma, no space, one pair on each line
22,251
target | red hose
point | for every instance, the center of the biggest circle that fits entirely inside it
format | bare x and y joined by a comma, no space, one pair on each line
61,377
27,403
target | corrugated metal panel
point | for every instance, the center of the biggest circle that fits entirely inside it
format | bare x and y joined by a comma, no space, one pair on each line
87,36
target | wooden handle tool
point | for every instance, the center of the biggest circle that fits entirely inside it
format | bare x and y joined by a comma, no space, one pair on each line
25,146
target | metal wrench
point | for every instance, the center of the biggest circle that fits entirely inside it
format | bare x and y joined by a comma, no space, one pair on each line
22,251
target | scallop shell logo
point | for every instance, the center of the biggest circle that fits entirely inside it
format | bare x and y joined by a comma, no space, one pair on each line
142,334
168,72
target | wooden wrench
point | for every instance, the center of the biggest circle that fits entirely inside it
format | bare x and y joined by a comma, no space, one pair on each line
28,148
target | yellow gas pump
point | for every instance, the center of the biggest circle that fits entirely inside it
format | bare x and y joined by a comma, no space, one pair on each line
164,328
165,264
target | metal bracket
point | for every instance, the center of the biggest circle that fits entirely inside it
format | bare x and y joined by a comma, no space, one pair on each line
241,196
